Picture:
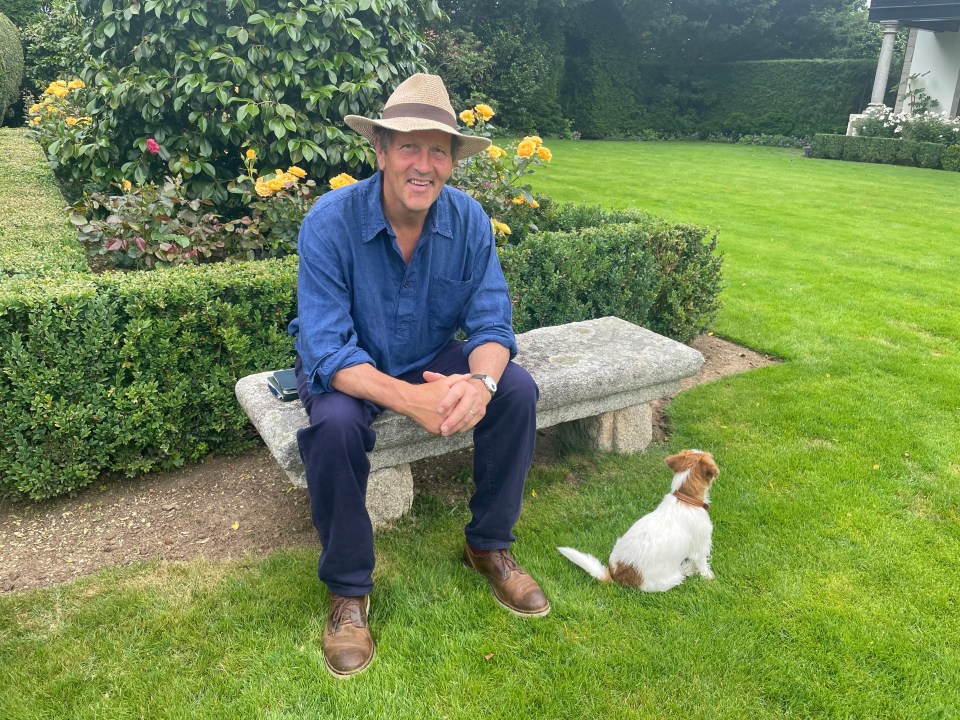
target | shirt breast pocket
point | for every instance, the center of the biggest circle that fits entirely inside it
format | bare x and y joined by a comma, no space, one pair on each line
448,298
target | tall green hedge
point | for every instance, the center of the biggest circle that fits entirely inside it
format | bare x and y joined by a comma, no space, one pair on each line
11,65
780,97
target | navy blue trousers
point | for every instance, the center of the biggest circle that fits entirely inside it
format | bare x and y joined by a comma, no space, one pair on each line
334,450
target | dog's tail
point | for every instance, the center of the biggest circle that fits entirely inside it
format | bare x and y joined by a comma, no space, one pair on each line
587,562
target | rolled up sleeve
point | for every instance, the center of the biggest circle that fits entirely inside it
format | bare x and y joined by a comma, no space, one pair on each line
489,315
326,337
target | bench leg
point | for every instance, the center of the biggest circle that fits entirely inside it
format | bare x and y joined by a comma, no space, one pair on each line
389,493
625,431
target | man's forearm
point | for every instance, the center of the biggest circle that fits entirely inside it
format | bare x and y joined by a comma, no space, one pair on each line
489,359
365,382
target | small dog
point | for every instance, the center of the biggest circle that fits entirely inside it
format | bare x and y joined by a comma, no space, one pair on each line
670,543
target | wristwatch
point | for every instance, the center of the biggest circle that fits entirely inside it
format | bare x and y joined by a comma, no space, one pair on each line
488,381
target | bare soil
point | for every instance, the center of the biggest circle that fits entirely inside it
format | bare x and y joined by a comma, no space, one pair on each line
226,507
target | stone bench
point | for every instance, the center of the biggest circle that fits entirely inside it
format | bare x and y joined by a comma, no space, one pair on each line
597,380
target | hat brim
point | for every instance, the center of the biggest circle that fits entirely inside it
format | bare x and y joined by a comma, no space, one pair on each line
467,145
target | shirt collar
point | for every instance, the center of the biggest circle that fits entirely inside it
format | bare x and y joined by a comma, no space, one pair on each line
374,221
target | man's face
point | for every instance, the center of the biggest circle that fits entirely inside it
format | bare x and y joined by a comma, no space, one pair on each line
415,166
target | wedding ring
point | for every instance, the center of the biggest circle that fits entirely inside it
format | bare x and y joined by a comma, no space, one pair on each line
472,412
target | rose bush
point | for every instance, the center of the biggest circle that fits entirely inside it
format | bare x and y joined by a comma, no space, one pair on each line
926,126
497,176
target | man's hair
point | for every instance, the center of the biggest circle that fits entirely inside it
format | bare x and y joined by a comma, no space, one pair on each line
383,138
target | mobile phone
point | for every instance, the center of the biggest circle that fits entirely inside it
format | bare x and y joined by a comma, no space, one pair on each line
283,384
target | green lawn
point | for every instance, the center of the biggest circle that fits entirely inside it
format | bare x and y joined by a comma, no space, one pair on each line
837,513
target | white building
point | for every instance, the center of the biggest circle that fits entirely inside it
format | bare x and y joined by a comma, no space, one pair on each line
932,56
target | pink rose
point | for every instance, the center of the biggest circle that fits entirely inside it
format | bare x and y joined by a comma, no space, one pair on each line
153,147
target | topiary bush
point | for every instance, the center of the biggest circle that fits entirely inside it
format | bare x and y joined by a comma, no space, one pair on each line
11,66
206,79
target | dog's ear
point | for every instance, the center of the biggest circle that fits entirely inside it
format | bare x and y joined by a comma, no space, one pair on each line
708,467
677,462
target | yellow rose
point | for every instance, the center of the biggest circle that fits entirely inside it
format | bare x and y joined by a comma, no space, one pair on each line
262,189
276,184
535,139
534,204
251,154
496,152
35,121
526,148
499,228
468,117
296,171
34,109
71,121
127,185
341,180
75,84
484,111
518,200
236,89
545,154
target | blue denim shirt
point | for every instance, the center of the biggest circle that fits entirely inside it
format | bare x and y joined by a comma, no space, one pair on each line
359,302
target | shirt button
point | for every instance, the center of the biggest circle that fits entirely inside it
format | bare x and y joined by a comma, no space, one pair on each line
406,284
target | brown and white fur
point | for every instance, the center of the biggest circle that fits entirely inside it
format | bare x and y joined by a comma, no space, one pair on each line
670,543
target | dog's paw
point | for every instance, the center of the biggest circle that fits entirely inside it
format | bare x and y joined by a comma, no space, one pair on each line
707,573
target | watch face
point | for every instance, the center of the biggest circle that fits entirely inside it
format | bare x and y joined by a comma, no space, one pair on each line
488,381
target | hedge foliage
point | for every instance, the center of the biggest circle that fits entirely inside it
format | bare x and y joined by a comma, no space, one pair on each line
643,269
132,372
11,65
889,151
208,79
35,237
779,97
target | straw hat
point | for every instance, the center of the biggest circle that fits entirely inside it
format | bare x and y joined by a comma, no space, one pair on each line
420,103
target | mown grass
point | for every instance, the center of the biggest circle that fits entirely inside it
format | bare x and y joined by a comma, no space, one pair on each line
836,514
35,237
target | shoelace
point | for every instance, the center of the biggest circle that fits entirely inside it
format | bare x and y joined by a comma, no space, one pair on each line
346,609
506,561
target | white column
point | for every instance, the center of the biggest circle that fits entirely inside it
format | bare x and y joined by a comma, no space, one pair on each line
890,28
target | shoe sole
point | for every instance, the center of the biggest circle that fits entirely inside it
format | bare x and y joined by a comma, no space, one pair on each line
501,603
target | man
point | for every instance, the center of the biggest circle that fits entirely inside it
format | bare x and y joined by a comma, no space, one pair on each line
390,269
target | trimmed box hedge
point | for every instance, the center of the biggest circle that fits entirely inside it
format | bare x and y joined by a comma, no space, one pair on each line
888,151
131,372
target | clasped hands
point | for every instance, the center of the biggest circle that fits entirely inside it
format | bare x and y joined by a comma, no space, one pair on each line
449,404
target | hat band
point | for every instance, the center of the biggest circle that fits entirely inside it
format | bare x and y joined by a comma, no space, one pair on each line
421,111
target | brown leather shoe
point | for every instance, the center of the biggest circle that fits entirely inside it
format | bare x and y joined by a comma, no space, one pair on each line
512,587
348,647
